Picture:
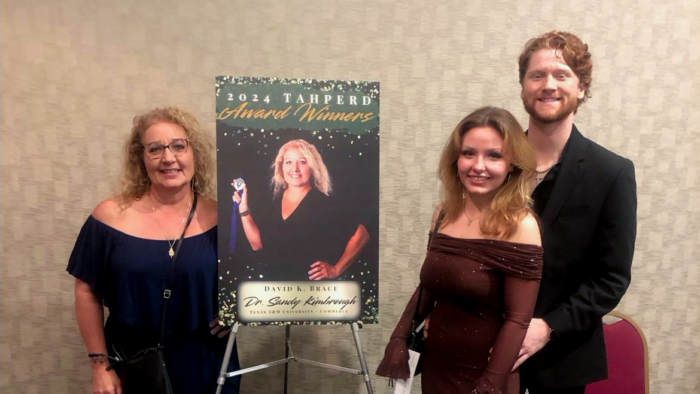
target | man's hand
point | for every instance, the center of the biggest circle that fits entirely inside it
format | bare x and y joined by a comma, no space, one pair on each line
537,336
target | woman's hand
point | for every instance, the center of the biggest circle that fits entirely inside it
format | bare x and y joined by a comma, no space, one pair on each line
89,313
322,270
218,329
355,245
241,200
250,228
104,381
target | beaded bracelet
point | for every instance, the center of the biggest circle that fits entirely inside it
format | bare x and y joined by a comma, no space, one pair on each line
98,358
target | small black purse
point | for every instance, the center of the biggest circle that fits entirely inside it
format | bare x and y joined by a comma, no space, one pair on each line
416,340
145,372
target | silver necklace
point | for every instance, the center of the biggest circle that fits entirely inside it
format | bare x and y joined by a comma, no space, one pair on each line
470,220
539,175
171,252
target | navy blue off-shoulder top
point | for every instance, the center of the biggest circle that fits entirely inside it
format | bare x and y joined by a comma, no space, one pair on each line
129,274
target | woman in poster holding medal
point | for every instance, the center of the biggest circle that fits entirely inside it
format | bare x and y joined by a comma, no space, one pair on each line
305,230
480,278
126,247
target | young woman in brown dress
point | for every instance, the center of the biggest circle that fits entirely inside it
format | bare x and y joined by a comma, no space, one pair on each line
481,274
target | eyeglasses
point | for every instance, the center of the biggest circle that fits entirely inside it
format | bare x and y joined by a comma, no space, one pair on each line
155,150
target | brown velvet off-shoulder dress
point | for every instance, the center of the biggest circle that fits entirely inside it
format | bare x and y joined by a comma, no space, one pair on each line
480,294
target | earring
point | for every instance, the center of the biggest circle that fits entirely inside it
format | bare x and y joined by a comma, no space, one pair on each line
509,174
194,184
464,194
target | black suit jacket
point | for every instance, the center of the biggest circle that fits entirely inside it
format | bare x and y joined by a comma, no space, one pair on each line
589,227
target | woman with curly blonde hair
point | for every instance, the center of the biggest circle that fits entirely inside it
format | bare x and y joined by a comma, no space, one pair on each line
135,179
480,278
126,248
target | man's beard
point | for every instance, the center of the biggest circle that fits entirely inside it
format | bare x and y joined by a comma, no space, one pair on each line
558,116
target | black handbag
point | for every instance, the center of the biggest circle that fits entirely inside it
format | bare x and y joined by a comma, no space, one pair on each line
416,340
145,371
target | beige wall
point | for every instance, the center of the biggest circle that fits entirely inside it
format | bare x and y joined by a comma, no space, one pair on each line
74,72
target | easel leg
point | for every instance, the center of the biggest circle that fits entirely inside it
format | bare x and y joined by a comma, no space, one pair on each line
227,357
287,348
289,357
363,362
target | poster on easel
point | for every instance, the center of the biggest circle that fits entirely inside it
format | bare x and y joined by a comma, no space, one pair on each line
298,192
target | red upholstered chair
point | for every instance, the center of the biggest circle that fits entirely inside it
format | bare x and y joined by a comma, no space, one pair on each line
628,358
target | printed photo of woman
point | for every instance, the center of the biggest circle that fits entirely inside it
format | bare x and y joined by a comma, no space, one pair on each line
306,234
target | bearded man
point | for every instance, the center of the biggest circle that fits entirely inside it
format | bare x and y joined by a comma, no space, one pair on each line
586,199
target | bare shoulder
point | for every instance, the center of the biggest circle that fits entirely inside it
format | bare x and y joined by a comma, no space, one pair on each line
207,205
207,212
109,211
528,231
436,214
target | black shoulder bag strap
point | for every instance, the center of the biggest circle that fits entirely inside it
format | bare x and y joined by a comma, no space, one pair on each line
167,292
438,223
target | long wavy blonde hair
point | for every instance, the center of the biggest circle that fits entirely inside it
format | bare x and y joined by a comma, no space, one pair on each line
135,181
322,179
512,199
